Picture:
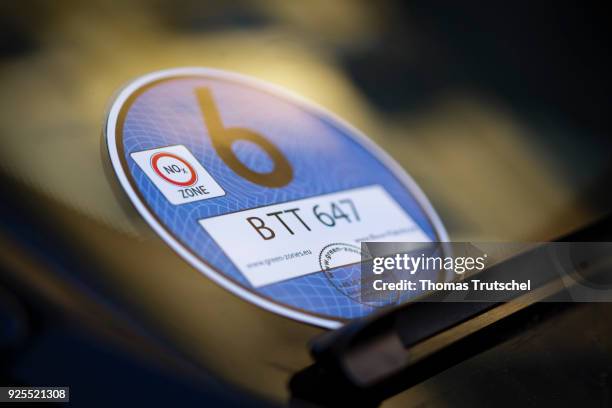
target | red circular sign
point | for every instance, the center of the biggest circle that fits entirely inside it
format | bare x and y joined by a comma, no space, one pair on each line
194,176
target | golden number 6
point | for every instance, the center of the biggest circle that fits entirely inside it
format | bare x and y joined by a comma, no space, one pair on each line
223,137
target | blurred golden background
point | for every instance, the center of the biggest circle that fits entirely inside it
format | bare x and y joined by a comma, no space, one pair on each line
478,127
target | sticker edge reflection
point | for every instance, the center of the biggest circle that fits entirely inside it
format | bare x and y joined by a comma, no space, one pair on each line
115,119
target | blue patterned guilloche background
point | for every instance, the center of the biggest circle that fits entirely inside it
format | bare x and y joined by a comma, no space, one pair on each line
325,159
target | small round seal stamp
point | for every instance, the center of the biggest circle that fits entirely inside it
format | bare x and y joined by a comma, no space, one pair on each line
344,266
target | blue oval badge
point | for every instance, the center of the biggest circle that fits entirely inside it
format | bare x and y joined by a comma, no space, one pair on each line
263,192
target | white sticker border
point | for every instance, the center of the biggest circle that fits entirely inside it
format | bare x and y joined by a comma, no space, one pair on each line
194,260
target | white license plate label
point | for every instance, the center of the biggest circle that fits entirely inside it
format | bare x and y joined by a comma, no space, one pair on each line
282,241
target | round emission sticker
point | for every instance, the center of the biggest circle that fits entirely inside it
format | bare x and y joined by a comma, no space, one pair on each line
263,192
